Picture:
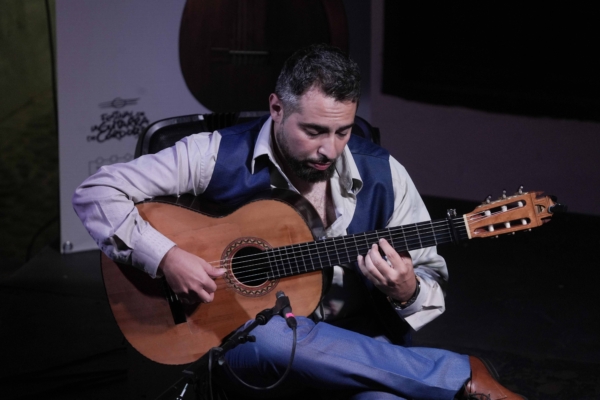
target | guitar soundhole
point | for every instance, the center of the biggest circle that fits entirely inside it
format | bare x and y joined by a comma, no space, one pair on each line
250,266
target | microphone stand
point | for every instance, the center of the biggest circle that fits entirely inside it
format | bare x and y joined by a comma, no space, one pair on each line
195,370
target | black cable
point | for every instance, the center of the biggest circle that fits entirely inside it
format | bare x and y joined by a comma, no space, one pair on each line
52,63
285,374
54,90
210,358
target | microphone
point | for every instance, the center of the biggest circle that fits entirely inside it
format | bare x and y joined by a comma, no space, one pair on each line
285,309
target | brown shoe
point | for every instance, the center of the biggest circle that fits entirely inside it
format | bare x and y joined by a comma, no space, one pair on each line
483,384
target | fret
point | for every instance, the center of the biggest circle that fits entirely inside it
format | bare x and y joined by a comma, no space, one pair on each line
310,266
336,252
419,236
289,260
414,238
270,275
327,252
433,232
391,238
279,263
383,234
297,258
444,234
427,236
301,257
346,248
404,237
365,243
356,245
305,258
318,253
439,232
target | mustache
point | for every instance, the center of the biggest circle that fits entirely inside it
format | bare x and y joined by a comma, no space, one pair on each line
321,160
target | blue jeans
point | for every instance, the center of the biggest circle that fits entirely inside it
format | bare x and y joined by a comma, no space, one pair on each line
330,359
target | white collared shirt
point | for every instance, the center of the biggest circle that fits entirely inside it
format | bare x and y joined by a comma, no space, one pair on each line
105,203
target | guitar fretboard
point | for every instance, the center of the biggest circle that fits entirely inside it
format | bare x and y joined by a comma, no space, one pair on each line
312,256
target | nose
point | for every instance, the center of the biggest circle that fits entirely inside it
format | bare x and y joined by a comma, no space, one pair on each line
327,147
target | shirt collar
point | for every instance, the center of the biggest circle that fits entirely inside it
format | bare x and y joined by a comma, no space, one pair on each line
263,144
346,168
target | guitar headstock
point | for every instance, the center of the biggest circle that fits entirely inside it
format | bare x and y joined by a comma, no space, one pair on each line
510,214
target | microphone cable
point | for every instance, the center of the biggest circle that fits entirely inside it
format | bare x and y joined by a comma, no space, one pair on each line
285,374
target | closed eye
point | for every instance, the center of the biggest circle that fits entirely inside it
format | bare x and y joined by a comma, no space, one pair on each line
344,132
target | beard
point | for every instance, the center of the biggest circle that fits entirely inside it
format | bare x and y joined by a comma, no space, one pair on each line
301,167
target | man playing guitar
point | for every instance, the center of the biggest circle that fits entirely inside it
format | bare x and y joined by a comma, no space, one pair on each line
304,145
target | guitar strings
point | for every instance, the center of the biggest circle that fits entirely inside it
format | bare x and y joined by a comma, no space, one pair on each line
262,275
394,234
402,233
474,218
258,270
407,233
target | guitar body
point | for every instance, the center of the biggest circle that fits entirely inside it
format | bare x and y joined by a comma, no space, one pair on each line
140,304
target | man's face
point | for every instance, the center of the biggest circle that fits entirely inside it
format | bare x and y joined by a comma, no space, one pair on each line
311,139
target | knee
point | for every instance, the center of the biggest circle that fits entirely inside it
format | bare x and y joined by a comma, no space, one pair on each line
272,347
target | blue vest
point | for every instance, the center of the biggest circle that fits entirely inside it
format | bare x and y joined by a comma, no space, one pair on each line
233,183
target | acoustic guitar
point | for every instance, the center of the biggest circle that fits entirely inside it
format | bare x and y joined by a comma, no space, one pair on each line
267,245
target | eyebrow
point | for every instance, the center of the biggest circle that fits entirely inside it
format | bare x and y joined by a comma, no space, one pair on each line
323,128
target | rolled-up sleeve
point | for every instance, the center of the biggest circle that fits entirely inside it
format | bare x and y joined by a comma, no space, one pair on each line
429,265
105,202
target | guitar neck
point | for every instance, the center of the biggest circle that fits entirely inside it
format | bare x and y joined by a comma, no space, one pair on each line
312,256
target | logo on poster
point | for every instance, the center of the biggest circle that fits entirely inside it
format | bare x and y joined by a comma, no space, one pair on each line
118,124
95,164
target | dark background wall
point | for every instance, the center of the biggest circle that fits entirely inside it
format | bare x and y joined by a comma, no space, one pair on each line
463,153
28,137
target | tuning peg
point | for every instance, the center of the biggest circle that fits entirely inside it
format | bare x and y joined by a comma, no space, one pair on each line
488,199
520,190
504,194
557,208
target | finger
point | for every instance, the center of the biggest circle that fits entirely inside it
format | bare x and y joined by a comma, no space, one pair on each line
207,297
381,264
374,264
214,272
388,250
201,296
362,266
401,261
375,254
187,298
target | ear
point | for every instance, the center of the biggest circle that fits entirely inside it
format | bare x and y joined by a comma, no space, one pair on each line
275,108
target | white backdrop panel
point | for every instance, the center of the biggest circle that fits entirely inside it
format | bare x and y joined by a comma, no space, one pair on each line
118,70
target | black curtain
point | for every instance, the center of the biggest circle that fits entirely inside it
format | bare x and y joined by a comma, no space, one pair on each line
537,60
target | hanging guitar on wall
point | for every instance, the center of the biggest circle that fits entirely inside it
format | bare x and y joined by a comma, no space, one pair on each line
231,51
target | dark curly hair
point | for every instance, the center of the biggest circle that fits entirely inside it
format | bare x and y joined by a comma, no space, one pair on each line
322,66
